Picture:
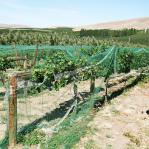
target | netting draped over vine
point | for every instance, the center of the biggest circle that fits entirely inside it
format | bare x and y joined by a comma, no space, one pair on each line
97,60
104,60
62,65
92,54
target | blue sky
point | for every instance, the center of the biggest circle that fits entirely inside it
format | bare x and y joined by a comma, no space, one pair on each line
44,13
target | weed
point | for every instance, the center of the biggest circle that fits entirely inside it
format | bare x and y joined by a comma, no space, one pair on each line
132,138
35,137
109,146
115,111
143,81
91,145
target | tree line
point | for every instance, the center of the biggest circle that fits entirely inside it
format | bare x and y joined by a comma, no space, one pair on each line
68,37
108,33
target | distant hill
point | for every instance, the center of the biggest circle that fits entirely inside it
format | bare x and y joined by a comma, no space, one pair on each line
2,26
140,23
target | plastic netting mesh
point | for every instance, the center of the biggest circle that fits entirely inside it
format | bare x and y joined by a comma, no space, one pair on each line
91,53
42,110
4,98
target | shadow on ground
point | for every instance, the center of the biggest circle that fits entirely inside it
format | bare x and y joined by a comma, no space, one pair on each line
57,113
61,111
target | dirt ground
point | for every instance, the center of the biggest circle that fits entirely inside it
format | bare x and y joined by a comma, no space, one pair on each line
43,107
123,124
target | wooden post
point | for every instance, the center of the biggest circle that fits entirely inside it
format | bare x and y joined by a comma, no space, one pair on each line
75,90
35,56
12,126
106,91
92,84
25,63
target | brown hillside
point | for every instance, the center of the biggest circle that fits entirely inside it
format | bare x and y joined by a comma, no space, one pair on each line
141,23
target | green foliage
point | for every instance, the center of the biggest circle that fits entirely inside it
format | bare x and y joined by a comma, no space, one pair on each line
125,60
59,62
65,36
140,37
104,33
67,139
4,64
34,137
64,61
38,74
140,59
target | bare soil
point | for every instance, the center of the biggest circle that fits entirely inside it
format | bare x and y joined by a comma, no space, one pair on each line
43,107
123,124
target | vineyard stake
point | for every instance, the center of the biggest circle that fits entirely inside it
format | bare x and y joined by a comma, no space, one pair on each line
106,91
75,90
13,112
92,84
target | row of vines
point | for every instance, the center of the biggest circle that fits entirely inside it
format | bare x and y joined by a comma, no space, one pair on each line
52,64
